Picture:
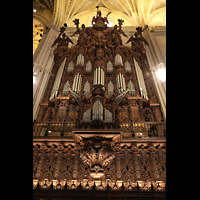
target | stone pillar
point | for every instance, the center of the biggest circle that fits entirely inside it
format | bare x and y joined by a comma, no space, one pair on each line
43,61
155,58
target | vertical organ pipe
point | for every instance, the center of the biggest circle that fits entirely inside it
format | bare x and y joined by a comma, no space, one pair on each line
57,80
98,75
73,88
76,80
118,83
121,83
79,84
101,76
120,77
138,76
143,84
73,84
94,81
124,83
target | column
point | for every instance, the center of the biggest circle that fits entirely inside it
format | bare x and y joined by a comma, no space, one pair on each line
155,57
43,61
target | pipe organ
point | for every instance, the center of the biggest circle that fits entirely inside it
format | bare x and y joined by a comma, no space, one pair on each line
100,117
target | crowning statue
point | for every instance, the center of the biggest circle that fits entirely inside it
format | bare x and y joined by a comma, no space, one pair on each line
101,36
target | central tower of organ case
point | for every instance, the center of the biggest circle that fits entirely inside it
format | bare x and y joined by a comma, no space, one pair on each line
100,123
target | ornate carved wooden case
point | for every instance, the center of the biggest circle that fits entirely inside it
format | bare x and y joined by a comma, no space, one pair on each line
99,94
99,82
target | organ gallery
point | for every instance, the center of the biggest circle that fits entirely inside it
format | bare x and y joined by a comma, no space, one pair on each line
99,130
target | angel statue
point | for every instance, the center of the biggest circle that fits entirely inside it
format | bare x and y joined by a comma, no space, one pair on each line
62,46
120,22
137,41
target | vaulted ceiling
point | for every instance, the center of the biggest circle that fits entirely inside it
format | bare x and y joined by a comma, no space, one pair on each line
133,12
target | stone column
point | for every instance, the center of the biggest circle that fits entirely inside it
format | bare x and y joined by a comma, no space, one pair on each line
155,58
43,61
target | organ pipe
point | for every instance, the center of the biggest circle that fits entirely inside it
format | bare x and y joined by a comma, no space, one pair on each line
140,80
73,84
76,77
124,83
98,75
121,82
102,76
57,80
79,84
118,83
95,78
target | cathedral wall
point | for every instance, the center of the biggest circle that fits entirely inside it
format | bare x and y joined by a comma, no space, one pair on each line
160,37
